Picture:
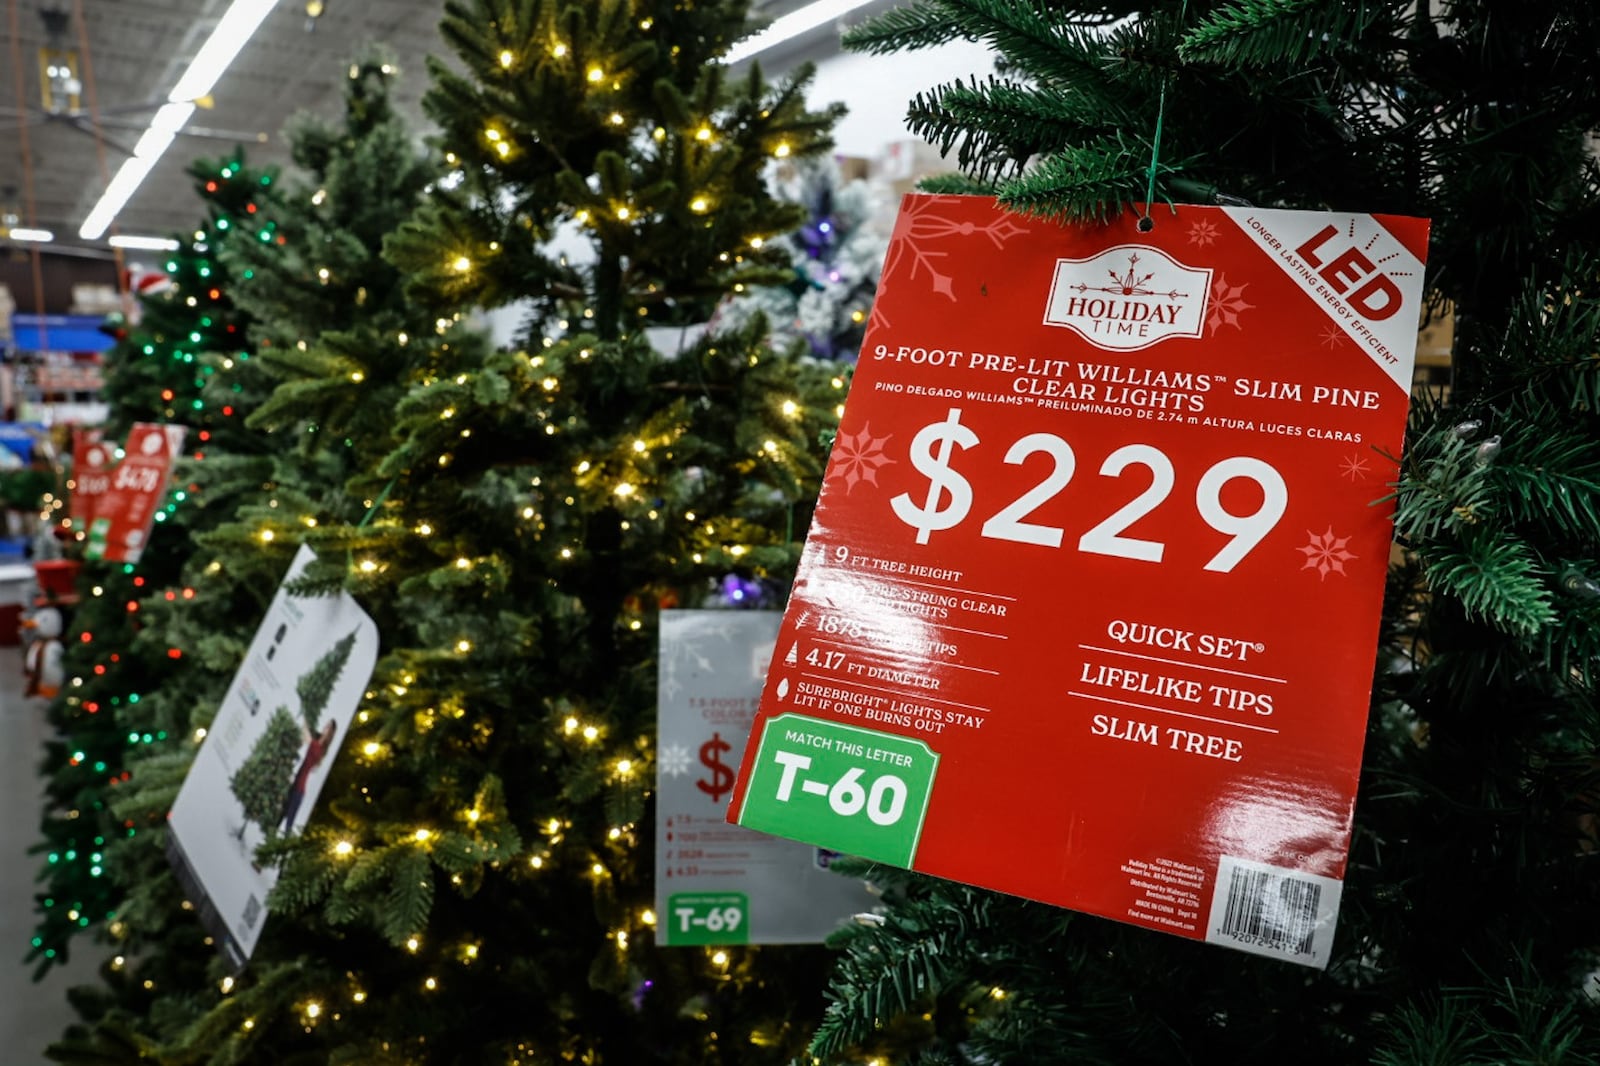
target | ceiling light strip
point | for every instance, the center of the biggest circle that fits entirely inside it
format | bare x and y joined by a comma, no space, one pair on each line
792,25
143,244
232,33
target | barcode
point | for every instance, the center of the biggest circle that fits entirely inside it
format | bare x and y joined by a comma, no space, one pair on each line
1272,911
252,911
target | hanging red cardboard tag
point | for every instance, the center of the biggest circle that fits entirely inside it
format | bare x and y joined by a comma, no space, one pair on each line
124,512
1088,608
91,475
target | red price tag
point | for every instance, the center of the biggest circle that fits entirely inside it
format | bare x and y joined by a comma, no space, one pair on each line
92,460
1092,589
125,510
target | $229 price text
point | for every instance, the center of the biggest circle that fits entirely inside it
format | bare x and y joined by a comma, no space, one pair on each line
949,498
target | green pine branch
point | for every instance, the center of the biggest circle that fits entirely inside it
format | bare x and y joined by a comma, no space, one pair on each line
1091,181
1270,33
996,127
1496,577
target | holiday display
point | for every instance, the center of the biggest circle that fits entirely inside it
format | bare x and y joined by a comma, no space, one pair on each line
270,765
475,882
477,878
716,884
1468,912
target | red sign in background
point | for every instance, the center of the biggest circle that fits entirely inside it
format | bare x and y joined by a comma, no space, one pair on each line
1099,528
92,459
125,512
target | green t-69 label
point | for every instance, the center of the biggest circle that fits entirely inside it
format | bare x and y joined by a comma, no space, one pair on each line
707,918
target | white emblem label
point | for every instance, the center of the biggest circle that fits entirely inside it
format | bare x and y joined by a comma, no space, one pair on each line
1128,297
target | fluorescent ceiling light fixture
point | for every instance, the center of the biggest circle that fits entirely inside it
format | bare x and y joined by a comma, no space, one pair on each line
154,143
233,32
116,196
237,25
171,117
37,236
792,25
145,244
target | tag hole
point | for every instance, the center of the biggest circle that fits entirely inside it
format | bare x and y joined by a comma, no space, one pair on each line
1146,224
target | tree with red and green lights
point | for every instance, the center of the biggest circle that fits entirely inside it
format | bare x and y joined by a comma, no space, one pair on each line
114,658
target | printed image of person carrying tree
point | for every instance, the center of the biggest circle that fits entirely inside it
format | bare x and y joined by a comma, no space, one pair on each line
316,751
263,778
272,782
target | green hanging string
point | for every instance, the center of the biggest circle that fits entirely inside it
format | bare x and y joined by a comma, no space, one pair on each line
384,495
1146,223
350,556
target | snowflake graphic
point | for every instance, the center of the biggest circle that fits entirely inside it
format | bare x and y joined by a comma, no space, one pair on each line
923,223
1202,232
674,760
1130,284
1227,301
1355,468
1326,553
1332,337
857,457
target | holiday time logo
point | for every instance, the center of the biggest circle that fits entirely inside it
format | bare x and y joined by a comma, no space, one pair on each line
1128,297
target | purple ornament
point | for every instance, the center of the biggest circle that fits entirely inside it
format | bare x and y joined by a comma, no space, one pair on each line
737,592
639,992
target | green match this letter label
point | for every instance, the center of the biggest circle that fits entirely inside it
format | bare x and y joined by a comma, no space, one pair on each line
841,787
707,918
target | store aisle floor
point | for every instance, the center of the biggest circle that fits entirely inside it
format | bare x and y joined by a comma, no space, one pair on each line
31,1015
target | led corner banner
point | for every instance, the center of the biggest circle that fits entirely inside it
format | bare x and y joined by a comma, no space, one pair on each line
267,754
717,883
1089,605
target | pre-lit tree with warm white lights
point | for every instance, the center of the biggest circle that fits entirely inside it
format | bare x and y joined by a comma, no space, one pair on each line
476,885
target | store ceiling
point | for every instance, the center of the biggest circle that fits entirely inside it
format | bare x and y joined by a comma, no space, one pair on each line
139,48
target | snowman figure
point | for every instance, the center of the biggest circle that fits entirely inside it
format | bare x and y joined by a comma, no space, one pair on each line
42,661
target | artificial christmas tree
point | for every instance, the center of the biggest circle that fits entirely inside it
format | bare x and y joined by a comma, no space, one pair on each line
476,884
114,657
316,685
836,256
1468,931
